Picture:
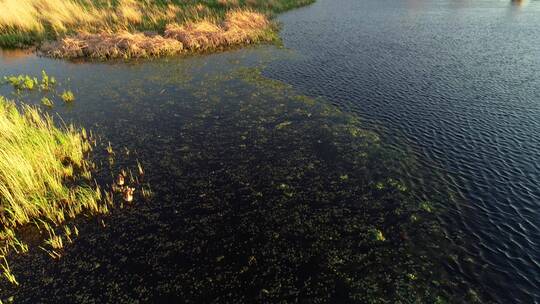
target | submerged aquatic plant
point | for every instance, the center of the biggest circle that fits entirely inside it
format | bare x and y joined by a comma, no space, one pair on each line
377,235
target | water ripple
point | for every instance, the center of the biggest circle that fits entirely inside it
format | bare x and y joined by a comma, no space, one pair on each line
459,82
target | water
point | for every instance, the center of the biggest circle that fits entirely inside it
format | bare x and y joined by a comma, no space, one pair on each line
260,194
455,84
460,81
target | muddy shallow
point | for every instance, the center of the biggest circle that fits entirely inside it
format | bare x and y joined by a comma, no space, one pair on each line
260,194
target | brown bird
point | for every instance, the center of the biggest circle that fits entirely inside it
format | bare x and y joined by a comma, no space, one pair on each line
120,180
128,194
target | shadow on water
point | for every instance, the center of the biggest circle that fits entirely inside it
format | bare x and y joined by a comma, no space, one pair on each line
260,194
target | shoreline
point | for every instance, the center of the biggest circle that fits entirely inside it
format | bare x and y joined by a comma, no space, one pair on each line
132,29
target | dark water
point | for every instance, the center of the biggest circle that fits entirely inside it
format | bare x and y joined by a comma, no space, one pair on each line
460,80
263,195
260,194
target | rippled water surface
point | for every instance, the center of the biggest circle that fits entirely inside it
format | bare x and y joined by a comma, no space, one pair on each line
460,80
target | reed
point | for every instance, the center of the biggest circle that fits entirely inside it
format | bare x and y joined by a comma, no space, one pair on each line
43,168
44,176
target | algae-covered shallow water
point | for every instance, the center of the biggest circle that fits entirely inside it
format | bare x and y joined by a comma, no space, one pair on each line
260,194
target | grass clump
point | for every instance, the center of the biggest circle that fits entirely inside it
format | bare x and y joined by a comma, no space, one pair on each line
45,176
67,96
21,82
238,27
47,102
26,82
41,168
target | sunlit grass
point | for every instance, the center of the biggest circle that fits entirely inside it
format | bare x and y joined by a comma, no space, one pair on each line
37,159
44,176
134,28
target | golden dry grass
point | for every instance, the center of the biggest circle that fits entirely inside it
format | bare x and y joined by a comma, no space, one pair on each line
112,45
101,28
61,16
239,27
200,35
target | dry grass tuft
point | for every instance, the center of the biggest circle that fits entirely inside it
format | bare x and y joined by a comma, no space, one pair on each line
201,35
246,20
239,27
113,45
229,3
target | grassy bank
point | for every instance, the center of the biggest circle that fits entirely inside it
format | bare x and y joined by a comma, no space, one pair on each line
45,177
136,28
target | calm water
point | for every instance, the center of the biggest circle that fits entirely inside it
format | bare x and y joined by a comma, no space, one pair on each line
454,83
460,80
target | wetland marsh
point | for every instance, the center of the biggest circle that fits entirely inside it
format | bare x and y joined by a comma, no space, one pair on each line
330,170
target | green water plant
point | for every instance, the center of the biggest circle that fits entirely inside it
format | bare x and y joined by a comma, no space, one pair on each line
377,235
47,102
67,96
21,82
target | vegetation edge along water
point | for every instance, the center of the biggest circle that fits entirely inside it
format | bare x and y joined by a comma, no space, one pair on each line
136,28
47,173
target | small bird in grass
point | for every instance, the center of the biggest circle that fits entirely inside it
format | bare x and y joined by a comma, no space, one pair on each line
120,180
128,194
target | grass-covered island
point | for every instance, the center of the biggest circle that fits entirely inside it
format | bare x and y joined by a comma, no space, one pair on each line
137,28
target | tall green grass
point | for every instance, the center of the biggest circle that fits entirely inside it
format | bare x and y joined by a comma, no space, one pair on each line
45,177
44,173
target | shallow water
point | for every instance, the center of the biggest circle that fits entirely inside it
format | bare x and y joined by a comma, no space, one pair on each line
460,81
260,194
450,89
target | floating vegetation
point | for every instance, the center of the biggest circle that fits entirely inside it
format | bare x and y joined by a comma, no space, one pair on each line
47,102
67,96
46,87
46,81
377,235
21,82
27,82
